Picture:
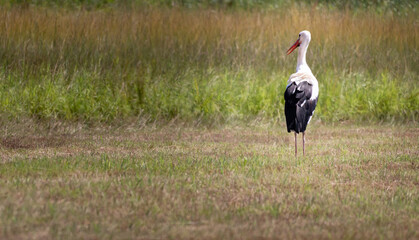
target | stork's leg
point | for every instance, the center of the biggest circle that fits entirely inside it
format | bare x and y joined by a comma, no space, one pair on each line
295,139
304,141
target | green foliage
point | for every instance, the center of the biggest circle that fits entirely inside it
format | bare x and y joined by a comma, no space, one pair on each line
208,96
361,97
380,6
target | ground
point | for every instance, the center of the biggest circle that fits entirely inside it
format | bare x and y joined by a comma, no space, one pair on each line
233,182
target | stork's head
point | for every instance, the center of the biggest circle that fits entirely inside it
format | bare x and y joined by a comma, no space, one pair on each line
303,39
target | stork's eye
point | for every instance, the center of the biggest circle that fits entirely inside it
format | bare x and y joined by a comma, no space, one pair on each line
299,35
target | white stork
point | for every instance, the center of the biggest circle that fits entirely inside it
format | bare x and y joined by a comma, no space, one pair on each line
302,91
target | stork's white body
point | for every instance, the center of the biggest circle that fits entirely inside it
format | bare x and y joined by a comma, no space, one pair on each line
303,71
307,76
302,91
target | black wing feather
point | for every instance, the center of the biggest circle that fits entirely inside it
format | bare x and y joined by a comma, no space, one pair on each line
298,106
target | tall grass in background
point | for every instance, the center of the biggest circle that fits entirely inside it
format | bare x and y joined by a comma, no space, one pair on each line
218,65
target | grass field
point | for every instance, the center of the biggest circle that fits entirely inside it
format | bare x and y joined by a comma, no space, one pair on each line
173,182
164,119
215,65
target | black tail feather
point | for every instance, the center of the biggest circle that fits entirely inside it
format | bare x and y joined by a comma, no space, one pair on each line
298,106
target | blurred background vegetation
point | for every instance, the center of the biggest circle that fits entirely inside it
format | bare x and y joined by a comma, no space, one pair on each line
205,61
394,6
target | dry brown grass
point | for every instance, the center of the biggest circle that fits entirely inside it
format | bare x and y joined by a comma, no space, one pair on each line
208,34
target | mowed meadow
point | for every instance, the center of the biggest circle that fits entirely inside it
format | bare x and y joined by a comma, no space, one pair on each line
176,182
206,65
164,119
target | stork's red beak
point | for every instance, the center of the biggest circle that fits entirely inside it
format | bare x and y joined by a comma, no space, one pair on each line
296,44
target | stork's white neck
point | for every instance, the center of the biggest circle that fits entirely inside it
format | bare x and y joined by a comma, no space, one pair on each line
301,60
